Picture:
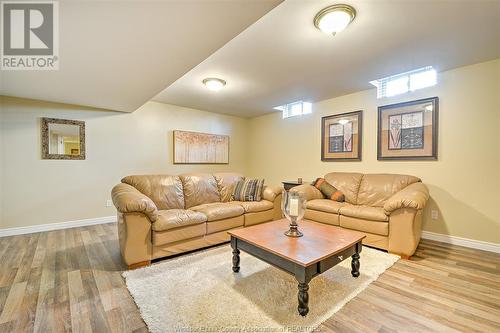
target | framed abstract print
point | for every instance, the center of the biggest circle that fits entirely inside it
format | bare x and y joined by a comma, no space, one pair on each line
341,137
408,131
200,148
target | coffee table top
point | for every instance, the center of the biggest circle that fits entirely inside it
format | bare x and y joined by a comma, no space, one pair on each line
319,241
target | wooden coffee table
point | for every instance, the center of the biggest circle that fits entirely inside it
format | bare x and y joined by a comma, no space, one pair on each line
322,247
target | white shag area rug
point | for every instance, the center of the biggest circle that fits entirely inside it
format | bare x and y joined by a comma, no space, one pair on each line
200,293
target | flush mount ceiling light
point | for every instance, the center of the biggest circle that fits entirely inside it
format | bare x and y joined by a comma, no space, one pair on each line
334,19
214,83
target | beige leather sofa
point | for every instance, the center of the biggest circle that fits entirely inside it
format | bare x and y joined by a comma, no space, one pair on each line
386,207
161,215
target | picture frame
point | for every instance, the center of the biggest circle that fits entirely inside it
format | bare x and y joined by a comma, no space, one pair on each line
60,137
408,130
342,137
200,148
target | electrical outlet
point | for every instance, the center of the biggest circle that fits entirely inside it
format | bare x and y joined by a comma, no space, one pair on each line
109,203
434,214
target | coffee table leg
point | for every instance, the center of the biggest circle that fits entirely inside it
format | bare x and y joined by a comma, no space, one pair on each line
355,265
304,276
236,260
303,298
236,255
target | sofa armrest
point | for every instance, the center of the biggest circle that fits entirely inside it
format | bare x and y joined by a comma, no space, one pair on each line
308,191
127,199
134,235
271,192
413,196
405,229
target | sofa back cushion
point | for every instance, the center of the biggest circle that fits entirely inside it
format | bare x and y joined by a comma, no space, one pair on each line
165,191
226,181
199,188
346,182
375,189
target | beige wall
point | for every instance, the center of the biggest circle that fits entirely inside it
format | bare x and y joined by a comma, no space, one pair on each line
464,183
35,191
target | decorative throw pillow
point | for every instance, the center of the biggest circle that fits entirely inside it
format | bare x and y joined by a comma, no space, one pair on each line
329,190
248,190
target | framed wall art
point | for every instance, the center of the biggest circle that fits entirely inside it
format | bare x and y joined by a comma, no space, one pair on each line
200,148
341,137
408,131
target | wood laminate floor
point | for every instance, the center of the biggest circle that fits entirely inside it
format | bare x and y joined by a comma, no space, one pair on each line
69,280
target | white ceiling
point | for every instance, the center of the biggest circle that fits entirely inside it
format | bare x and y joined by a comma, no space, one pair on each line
283,58
119,54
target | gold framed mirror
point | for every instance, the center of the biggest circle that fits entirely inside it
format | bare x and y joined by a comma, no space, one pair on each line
63,139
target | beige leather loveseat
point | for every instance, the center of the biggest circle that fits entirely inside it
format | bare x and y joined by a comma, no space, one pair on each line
386,207
161,215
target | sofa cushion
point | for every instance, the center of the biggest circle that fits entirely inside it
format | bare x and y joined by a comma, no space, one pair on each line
364,212
328,190
226,181
347,183
375,189
254,206
219,210
175,218
325,205
199,188
165,191
372,227
248,190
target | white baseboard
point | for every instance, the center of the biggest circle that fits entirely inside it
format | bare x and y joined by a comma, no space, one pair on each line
475,244
55,226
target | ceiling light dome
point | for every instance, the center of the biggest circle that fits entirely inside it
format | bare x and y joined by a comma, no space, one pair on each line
334,19
214,83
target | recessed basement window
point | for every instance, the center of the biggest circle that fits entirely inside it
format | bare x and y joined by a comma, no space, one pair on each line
404,82
295,109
